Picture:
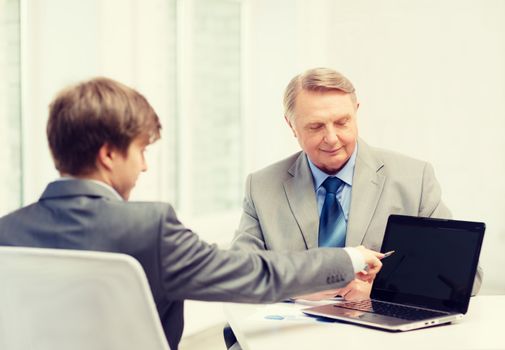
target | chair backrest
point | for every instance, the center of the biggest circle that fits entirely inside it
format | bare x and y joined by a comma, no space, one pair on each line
52,299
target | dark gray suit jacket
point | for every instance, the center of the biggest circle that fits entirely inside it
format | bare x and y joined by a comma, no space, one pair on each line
80,214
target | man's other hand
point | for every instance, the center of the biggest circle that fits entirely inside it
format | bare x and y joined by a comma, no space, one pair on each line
356,290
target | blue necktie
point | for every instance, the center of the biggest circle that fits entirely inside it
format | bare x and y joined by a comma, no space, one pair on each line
332,226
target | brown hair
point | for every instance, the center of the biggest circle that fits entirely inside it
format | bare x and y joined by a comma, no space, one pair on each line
84,117
316,79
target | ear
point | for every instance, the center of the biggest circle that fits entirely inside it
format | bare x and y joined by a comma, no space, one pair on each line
290,125
105,157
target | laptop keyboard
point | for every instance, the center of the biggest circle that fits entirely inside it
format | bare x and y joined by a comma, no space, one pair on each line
404,312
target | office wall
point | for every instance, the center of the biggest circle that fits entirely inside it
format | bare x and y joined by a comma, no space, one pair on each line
430,78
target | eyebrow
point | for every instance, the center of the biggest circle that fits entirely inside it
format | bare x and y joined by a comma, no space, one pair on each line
313,124
347,116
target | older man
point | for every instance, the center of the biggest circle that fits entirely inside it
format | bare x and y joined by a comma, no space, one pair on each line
338,191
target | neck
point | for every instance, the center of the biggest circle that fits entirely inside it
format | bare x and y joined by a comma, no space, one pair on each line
94,175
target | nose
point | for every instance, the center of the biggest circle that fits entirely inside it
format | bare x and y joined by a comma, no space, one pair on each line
331,136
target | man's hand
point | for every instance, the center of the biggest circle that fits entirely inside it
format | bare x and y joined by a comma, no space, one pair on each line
356,290
325,294
372,260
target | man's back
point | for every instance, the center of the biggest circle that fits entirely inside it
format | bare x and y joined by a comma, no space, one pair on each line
82,215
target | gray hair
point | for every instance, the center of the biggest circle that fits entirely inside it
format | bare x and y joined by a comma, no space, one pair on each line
315,79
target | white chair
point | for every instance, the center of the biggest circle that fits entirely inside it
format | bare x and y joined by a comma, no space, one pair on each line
53,299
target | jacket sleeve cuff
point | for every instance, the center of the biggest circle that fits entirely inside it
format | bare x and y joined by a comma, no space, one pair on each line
357,259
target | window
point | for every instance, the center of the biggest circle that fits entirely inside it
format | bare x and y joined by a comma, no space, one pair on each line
210,115
10,107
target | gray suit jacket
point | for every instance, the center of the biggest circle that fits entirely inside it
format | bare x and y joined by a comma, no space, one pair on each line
280,208
78,214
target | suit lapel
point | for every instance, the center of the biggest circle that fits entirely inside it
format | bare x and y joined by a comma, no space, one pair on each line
302,200
367,186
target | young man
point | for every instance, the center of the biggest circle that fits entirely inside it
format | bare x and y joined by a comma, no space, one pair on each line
98,131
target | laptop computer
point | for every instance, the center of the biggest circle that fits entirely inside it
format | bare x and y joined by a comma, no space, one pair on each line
427,281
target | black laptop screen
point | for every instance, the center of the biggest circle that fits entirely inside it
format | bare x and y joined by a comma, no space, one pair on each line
434,263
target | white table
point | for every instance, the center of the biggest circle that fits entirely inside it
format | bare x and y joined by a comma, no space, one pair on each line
283,326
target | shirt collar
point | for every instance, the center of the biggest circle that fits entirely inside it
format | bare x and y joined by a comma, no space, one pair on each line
100,183
345,174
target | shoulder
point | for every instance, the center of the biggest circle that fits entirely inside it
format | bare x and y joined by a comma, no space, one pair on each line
140,212
153,219
18,215
389,161
398,159
138,208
